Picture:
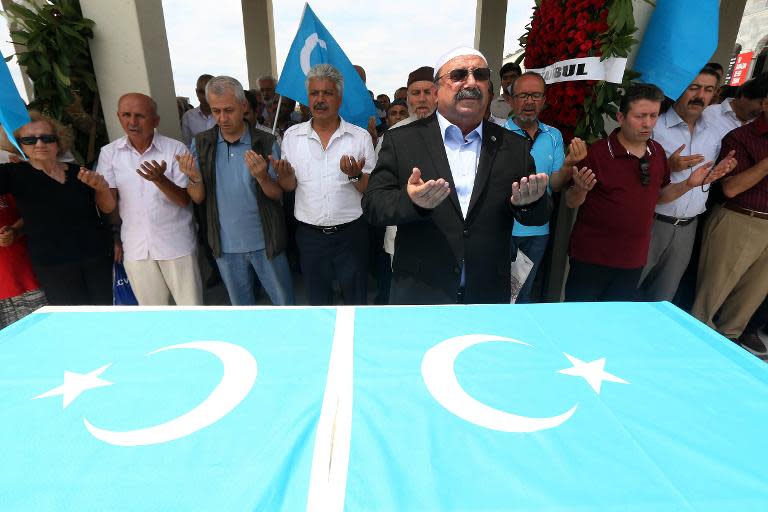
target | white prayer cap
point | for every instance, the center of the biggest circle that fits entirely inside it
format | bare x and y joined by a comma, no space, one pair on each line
456,52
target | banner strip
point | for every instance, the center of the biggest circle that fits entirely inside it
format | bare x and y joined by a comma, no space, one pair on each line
586,68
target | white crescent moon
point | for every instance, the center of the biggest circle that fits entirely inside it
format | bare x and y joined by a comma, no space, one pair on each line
437,370
240,371
309,45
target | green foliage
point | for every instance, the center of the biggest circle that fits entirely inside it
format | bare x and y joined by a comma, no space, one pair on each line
54,37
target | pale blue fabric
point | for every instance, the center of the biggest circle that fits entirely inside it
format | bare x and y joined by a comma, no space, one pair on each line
463,156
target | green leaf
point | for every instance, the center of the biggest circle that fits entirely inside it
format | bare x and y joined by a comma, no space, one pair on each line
60,76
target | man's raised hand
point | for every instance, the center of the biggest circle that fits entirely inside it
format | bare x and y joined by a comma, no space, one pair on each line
426,194
529,190
678,162
188,166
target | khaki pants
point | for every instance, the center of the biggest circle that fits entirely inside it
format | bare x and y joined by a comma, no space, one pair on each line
155,281
733,271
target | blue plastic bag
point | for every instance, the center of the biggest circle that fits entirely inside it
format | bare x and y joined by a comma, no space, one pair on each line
122,294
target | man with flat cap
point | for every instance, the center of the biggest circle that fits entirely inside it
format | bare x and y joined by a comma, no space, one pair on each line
454,184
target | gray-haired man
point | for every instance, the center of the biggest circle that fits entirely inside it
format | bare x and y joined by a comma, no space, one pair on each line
232,170
331,159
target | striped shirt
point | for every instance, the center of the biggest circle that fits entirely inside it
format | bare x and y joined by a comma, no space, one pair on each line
750,142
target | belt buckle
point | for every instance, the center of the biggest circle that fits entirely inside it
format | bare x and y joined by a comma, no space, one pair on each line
677,222
328,230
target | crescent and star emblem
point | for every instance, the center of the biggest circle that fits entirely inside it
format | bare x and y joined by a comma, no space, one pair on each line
437,370
240,371
309,45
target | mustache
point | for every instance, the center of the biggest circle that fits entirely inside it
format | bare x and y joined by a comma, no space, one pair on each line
696,102
473,93
320,105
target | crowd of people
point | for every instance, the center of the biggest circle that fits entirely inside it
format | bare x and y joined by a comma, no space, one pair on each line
433,205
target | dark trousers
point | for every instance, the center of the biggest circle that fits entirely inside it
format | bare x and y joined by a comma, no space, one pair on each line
380,263
79,283
598,283
342,255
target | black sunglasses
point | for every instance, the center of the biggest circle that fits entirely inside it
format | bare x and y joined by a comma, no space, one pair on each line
645,176
461,74
31,140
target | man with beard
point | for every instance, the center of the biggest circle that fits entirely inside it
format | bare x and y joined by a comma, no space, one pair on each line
454,183
199,118
688,141
330,163
528,97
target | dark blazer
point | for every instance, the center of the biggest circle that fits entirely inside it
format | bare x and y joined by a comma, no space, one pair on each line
431,244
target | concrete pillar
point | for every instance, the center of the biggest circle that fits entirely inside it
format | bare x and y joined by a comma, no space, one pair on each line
29,88
130,54
490,24
259,29
731,13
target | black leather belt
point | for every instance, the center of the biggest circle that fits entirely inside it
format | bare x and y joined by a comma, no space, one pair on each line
746,211
675,221
328,230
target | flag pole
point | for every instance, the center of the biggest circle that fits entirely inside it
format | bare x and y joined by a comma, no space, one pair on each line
277,113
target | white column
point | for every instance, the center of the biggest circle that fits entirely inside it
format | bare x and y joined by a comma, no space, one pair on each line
130,54
490,24
259,30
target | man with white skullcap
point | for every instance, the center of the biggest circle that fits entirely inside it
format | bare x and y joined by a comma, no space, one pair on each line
454,184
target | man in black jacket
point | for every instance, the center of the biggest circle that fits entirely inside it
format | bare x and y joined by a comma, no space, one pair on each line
453,184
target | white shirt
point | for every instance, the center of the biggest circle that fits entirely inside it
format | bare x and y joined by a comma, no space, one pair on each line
193,122
324,194
672,132
463,154
722,118
153,227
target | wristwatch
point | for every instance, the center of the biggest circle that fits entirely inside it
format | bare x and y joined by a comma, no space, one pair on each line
355,178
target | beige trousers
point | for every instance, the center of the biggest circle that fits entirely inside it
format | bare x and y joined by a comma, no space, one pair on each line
733,271
154,282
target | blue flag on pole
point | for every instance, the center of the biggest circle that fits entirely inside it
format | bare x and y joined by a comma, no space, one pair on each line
13,111
679,40
553,407
161,410
314,45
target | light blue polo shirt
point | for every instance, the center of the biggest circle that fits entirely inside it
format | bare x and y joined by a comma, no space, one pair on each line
548,153
236,198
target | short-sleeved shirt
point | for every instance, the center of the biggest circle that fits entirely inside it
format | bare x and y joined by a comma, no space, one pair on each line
61,220
548,153
722,118
672,132
613,226
193,122
241,230
324,194
750,142
16,276
154,227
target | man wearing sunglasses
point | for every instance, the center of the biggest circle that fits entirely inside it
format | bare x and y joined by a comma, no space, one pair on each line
454,184
627,176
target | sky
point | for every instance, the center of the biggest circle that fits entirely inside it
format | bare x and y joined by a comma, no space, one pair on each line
388,38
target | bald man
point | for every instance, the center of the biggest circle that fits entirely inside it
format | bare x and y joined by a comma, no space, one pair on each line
158,236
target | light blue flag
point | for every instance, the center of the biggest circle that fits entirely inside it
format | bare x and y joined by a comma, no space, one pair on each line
13,111
679,40
632,407
314,45
161,410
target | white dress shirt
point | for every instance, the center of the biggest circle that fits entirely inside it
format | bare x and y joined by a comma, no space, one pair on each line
463,156
722,118
153,226
672,132
324,194
193,122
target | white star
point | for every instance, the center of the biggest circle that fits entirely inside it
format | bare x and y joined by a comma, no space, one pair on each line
593,372
76,383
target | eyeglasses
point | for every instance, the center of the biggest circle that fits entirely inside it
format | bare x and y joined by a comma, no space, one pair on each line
535,96
461,74
31,140
645,176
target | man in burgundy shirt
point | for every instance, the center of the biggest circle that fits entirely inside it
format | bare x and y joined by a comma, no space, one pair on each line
733,268
623,178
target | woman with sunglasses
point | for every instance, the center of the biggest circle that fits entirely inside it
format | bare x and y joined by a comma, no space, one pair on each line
69,242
